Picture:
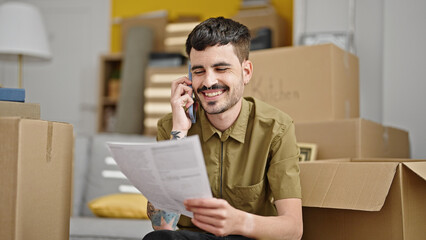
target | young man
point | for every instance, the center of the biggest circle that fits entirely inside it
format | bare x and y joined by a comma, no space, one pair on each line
249,146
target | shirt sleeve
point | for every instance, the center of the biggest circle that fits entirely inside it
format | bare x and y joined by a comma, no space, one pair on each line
164,128
283,173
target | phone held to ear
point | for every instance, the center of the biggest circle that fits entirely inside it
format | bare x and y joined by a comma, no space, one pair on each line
191,109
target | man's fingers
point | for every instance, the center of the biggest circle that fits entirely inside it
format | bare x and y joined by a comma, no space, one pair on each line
211,220
181,89
206,202
182,97
182,102
216,213
184,81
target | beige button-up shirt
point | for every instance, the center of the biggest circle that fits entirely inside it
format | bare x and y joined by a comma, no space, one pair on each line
252,163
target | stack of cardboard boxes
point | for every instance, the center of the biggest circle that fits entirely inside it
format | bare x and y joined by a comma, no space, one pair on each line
35,174
365,187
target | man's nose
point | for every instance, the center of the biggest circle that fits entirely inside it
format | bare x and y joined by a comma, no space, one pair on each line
210,79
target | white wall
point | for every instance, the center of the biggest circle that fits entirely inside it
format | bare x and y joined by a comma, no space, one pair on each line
66,86
404,70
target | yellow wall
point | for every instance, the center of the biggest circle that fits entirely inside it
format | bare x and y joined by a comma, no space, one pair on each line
199,8
285,10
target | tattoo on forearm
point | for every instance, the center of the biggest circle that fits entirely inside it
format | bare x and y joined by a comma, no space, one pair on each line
175,134
161,219
150,210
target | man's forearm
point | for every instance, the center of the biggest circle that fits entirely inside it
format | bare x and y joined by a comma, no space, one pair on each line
287,225
177,134
276,227
162,220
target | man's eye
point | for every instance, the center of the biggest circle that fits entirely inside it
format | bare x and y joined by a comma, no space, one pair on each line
221,69
198,72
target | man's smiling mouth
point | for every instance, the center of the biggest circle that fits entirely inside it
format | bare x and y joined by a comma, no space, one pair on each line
212,94
213,91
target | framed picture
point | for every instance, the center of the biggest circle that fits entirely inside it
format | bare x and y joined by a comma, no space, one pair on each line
308,152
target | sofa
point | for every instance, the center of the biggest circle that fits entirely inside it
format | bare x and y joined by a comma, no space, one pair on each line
96,176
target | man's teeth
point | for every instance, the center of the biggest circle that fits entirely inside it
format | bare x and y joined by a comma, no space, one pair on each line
212,94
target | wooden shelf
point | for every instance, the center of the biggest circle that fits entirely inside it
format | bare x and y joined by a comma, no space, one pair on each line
109,67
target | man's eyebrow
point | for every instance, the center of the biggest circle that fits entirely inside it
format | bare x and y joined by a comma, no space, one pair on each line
221,64
196,67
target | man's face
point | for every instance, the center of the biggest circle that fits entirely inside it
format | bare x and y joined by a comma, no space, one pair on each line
218,78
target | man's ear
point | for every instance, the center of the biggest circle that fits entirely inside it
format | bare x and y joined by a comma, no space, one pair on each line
247,71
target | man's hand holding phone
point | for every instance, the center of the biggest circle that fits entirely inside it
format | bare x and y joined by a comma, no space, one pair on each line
181,100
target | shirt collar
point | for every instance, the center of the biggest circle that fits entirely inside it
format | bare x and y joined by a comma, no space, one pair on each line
237,131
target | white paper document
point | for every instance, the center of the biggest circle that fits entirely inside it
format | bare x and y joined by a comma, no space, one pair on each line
165,172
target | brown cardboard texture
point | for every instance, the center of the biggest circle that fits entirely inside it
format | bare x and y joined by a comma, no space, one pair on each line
18,109
35,179
266,16
364,199
357,138
310,83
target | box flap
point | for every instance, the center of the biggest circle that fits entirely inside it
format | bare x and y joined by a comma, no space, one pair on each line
418,167
346,185
398,160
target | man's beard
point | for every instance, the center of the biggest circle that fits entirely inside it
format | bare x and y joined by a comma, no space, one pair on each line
231,99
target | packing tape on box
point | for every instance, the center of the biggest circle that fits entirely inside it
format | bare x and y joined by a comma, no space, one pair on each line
49,141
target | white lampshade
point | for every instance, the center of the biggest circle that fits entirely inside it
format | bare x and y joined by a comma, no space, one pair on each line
22,31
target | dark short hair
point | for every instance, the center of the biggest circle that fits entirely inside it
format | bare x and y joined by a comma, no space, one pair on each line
220,31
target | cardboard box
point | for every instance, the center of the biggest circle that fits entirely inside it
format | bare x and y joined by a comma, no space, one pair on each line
310,83
265,16
35,179
357,138
18,109
364,199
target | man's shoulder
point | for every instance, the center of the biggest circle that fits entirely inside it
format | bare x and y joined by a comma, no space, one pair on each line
166,119
266,111
165,123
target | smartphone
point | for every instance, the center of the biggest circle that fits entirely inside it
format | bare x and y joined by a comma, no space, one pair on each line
191,109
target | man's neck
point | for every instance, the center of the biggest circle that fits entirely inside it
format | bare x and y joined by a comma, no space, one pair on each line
225,120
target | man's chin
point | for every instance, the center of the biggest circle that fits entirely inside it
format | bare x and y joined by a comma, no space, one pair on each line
212,108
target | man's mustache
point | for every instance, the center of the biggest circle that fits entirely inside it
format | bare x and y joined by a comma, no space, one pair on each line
215,86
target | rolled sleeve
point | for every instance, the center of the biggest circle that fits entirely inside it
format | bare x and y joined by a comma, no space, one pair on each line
283,173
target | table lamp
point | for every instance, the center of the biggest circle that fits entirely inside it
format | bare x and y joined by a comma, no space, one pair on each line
22,33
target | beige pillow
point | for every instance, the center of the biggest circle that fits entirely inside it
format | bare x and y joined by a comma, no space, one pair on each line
126,205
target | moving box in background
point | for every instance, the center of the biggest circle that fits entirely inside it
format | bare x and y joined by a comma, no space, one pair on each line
19,109
310,83
357,138
376,199
35,179
265,17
